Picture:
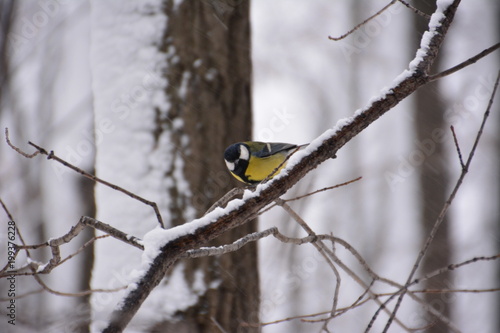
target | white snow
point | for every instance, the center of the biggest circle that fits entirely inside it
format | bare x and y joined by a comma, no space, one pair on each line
158,237
41,267
129,87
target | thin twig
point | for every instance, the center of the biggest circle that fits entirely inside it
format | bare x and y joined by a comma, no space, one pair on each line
426,277
445,208
453,291
82,248
113,232
457,146
453,267
90,176
415,10
226,198
236,245
286,319
327,253
55,243
324,189
364,22
466,63
310,193
18,232
77,294
51,156
18,150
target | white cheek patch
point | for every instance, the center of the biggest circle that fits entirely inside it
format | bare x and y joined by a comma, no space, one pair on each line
230,165
244,153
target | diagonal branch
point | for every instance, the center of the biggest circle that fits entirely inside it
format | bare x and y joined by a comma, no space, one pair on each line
52,156
464,64
364,22
196,233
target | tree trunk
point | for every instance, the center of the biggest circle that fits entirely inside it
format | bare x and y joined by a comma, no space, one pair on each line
433,180
210,90
172,91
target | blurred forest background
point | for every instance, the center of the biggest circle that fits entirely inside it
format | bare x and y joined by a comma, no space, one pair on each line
303,83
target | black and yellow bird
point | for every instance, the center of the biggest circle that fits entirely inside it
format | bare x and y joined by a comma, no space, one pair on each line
251,162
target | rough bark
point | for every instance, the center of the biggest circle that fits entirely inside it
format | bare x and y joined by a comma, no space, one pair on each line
210,91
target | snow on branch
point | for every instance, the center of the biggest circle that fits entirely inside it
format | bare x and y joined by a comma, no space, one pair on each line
162,248
169,246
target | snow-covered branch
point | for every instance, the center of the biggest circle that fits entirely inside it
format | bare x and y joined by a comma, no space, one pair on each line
170,245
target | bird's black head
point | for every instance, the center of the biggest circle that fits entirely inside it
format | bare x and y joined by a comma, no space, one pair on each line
236,157
232,153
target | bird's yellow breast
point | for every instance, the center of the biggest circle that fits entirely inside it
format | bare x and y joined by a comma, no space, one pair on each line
260,168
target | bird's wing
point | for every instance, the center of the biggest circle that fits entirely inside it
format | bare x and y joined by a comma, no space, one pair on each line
271,148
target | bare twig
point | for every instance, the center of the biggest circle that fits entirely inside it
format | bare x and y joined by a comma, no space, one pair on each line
55,243
375,277
18,232
238,244
446,206
453,267
330,257
364,22
18,150
226,198
289,319
431,275
324,189
453,291
415,10
311,193
464,64
62,293
75,294
458,147
113,232
51,156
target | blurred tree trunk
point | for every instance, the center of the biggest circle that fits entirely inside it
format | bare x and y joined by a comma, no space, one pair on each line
86,192
28,192
178,75
6,17
214,68
433,179
497,217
